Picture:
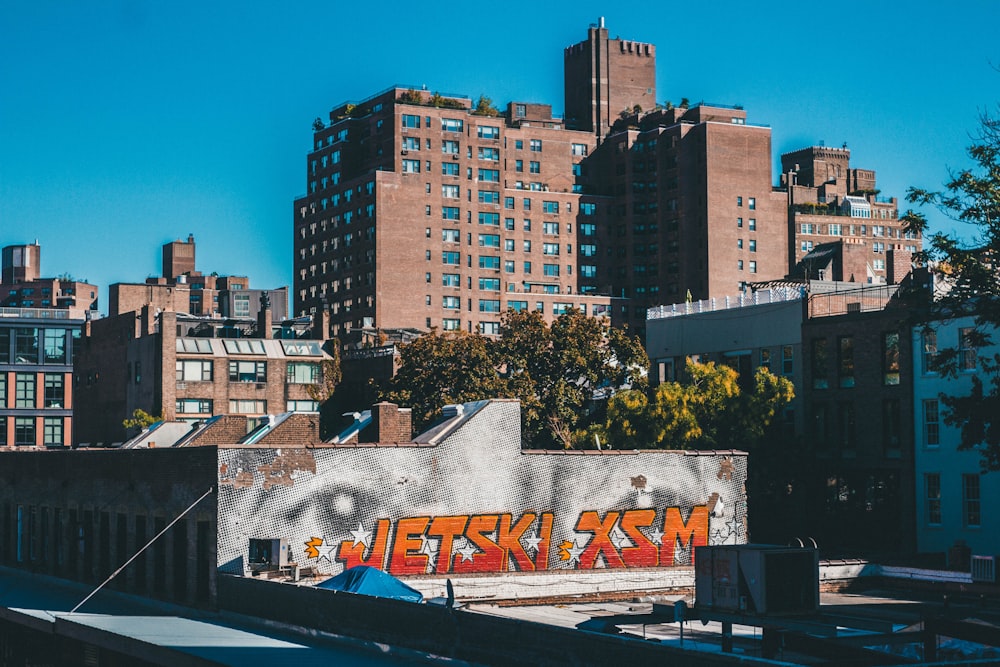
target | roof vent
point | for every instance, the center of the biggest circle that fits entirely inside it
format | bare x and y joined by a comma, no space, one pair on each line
455,410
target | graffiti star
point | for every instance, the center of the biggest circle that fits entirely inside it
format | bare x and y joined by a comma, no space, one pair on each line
533,541
428,546
619,539
656,536
734,527
362,536
326,550
467,552
570,551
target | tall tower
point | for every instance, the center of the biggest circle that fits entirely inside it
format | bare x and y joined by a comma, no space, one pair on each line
21,263
178,258
603,77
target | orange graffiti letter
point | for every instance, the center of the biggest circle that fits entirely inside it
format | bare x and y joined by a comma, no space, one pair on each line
510,541
691,533
644,553
491,557
403,559
601,543
447,528
351,553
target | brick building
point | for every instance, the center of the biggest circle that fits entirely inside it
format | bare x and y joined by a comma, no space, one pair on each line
831,202
481,211
183,289
38,348
180,367
23,287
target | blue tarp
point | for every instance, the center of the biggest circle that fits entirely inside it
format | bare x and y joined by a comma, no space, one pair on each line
366,580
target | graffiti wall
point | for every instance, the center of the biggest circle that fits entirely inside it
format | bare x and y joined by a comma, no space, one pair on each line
475,503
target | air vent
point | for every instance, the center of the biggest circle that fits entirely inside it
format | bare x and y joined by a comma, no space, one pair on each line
984,569
854,307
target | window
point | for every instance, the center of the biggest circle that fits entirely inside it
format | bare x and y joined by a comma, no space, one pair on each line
449,146
193,406
451,280
248,371
753,224
932,423
550,207
24,431
55,346
739,243
806,246
928,350
753,266
489,262
891,425
833,229
966,349
550,227
588,208
739,201
518,165
765,358
489,284
411,121
489,305
588,229
489,240
193,371
450,191
588,249
489,197
550,248
55,390
752,203
517,306
739,222
301,372
5,346
527,267
489,175
449,169
847,425
449,213
452,124
26,346
488,132
971,505
301,406
551,270
753,245
579,149
247,406
807,228
818,364
451,258
588,271
536,145
491,154
890,358
411,166
411,143
534,167
932,497
787,360
451,302
845,361
508,266
450,324
241,305
492,219
450,235
24,390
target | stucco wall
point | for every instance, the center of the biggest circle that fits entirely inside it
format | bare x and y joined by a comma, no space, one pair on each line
477,503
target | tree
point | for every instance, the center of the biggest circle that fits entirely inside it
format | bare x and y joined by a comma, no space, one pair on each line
558,372
438,369
969,271
709,410
484,107
140,420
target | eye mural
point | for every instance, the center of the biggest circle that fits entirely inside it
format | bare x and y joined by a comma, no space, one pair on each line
474,502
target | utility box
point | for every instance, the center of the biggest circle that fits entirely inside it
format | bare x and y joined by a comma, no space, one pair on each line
757,579
267,554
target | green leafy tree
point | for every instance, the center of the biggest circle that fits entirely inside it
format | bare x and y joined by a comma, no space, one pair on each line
139,420
438,369
968,269
484,107
708,410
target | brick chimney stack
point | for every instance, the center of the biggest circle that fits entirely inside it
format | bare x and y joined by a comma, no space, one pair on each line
264,316
390,423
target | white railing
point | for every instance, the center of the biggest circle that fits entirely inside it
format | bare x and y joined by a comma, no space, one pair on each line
756,298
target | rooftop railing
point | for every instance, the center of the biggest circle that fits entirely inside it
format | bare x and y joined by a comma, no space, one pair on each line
777,294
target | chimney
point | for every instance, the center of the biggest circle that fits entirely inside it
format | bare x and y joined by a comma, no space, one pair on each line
321,324
390,423
264,316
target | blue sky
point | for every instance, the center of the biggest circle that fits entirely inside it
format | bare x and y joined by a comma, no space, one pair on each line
127,124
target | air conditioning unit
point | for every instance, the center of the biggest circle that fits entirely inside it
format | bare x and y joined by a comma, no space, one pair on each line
984,569
267,554
404,152
454,156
